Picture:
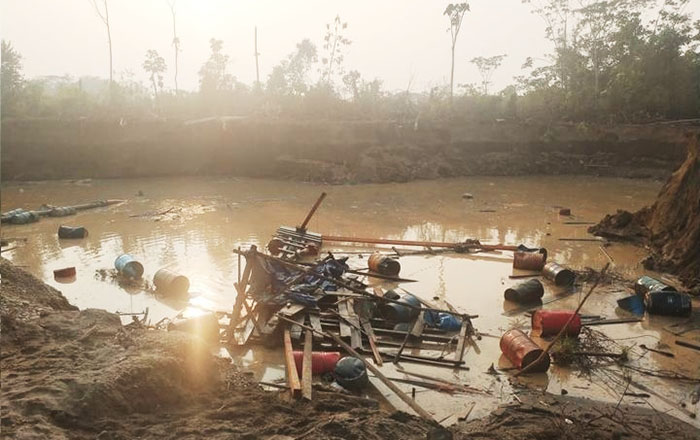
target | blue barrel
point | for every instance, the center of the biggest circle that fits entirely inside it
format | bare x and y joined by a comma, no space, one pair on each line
72,232
648,284
668,303
398,311
351,373
128,266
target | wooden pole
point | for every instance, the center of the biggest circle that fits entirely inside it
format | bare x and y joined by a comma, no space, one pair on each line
257,69
306,366
292,375
410,402
311,213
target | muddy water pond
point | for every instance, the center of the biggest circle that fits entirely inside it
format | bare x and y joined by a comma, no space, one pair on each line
190,225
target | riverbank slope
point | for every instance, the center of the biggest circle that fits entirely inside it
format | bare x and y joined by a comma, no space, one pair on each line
332,151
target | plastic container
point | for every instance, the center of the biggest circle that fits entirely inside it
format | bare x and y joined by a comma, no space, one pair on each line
648,284
668,303
171,283
521,351
528,292
529,260
72,232
398,312
321,361
550,322
351,373
560,275
128,266
384,265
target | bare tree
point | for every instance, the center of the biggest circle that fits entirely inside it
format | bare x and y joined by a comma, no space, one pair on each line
455,11
176,40
104,16
334,43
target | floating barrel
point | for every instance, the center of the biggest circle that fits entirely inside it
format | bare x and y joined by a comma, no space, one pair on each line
128,266
171,283
550,322
65,272
529,260
559,274
648,284
398,311
351,373
72,232
384,265
23,217
528,292
521,351
668,303
321,361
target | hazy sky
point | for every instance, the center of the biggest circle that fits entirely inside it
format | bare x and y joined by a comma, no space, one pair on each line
393,40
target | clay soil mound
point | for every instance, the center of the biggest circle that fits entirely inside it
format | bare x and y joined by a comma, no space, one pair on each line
671,226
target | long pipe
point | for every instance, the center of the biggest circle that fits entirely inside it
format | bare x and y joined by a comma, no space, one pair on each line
442,244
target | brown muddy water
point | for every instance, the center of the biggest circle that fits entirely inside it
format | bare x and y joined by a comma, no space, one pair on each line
208,217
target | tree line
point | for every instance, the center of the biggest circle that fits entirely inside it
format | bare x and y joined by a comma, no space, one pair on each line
613,61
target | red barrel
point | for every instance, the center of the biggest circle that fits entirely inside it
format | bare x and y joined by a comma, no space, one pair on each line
521,351
529,260
321,361
550,322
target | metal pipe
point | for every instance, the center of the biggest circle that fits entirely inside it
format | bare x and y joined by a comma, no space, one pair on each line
442,244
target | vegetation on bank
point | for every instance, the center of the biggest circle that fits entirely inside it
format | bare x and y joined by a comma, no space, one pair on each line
613,61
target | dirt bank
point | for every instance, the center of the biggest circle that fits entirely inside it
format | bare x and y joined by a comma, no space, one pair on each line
671,226
81,374
331,151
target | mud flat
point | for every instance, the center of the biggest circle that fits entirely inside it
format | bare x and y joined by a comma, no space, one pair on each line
69,373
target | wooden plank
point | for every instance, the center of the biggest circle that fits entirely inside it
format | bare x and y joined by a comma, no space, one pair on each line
372,342
459,354
315,320
306,379
344,327
418,326
355,335
291,309
292,375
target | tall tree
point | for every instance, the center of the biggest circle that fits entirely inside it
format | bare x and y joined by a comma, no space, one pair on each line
176,40
212,75
486,67
11,79
155,65
334,43
103,14
290,77
455,12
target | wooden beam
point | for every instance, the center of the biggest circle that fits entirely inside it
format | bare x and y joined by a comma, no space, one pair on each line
344,327
367,326
459,354
306,379
292,375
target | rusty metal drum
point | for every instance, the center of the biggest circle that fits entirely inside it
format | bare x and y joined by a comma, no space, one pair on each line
559,274
522,351
384,265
